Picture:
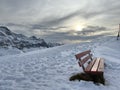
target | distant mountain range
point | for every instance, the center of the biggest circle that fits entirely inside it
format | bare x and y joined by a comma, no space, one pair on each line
20,41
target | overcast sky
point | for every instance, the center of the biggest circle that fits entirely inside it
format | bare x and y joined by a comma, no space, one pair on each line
46,18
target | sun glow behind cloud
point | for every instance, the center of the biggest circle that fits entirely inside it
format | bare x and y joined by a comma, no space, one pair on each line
78,28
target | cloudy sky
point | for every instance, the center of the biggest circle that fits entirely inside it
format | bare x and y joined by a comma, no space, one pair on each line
59,19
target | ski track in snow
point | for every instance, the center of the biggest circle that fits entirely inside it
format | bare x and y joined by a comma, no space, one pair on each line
50,69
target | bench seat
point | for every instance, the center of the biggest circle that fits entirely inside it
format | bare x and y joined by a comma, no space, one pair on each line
95,66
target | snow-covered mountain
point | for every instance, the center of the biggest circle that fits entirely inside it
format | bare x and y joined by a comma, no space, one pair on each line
9,38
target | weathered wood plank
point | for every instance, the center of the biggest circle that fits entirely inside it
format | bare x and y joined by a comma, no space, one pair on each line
85,59
101,65
88,68
95,66
82,54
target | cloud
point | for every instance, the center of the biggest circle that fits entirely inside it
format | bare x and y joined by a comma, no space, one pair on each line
71,36
51,21
92,29
31,16
52,13
104,11
40,27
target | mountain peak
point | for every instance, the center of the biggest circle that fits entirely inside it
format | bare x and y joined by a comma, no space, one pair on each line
5,30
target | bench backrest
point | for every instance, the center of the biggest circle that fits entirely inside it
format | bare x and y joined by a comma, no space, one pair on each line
83,58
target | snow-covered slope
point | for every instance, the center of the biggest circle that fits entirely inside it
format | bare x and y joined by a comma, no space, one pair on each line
50,69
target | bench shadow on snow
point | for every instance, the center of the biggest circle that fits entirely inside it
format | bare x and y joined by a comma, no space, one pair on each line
87,77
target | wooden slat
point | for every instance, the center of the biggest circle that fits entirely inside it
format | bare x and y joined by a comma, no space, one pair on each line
85,59
95,66
82,54
101,65
88,68
79,64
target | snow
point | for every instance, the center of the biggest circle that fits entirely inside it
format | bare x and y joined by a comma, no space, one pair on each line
50,69
9,51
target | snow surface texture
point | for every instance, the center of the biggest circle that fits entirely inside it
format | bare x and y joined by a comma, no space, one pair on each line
50,69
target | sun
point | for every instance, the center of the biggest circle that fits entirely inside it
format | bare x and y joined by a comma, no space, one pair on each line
78,28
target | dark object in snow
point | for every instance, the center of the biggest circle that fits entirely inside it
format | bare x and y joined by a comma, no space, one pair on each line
118,32
86,77
81,76
93,67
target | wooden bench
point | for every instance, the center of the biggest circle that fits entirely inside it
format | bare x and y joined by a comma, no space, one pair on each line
90,65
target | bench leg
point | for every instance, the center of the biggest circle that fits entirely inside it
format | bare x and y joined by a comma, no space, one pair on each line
99,78
102,79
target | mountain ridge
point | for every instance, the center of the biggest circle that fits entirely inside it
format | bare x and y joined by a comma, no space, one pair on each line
20,41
